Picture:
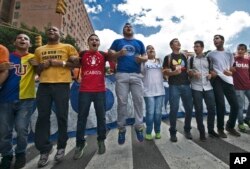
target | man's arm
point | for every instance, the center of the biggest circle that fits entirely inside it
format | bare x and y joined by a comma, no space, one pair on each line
113,55
141,58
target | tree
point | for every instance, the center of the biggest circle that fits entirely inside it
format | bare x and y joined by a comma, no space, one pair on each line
9,33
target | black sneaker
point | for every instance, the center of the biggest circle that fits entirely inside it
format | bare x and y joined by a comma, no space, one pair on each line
79,151
173,138
203,136
6,162
101,147
59,155
44,159
233,132
188,135
221,133
20,160
213,134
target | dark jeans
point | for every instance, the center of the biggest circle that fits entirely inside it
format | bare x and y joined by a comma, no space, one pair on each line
85,99
175,93
48,93
166,97
221,89
209,99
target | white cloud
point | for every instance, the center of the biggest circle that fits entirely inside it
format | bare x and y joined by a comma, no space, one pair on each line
94,9
200,20
90,1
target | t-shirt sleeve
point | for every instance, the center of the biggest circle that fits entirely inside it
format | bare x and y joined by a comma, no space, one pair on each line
114,45
36,54
143,50
72,51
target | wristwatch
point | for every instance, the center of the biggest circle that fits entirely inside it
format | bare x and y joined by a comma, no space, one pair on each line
63,63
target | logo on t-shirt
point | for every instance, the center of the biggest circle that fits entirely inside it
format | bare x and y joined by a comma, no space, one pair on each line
93,60
130,50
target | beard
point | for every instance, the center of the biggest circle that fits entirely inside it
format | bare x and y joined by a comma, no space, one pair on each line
128,34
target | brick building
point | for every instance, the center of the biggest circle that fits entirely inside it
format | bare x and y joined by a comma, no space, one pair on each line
41,13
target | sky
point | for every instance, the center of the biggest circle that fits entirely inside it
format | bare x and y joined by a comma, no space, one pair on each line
156,22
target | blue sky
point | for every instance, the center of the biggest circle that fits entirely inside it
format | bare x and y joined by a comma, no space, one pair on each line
158,23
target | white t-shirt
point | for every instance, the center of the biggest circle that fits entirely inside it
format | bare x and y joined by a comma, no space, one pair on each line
153,78
222,60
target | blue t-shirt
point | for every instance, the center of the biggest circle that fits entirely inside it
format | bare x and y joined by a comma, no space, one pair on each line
127,63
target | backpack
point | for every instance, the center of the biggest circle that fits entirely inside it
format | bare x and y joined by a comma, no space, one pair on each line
191,64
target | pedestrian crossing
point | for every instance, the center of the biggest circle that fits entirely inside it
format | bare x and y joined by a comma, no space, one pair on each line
157,154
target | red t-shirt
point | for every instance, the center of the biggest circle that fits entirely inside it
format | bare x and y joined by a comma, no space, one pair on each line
92,72
241,77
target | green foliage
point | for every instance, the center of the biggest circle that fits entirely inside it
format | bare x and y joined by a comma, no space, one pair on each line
8,34
68,39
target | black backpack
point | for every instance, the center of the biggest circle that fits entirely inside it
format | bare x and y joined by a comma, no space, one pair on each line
191,64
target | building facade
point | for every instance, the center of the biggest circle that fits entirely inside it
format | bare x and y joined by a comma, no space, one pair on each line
42,13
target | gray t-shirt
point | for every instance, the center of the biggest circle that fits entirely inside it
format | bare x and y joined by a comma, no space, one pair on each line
153,78
222,60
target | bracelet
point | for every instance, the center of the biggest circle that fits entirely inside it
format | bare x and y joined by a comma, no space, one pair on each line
63,64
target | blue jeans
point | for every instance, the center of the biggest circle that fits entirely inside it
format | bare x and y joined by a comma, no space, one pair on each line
240,97
221,89
16,114
48,93
85,99
175,93
209,99
166,97
153,113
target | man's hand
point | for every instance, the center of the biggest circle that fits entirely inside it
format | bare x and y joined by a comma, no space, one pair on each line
228,73
209,76
57,63
46,64
123,52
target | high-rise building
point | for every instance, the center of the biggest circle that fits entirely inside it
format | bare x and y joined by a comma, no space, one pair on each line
42,13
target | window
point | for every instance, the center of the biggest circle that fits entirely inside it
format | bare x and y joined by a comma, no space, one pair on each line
14,24
18,5
16,15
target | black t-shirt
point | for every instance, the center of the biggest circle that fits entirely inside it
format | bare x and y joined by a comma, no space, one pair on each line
180,60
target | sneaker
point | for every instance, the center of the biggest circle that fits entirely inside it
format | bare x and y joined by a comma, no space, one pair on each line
79,151
59,155
188,135
139,134
158,135
173,138
101,147
213,134
242,128
203,137
148,137
233,132
6,162
247,122
121,137
221,133
20,160
44,159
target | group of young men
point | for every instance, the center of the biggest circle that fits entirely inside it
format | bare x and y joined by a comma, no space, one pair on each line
17,93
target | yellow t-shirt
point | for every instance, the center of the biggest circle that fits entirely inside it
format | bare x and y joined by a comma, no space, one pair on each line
60,52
